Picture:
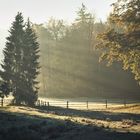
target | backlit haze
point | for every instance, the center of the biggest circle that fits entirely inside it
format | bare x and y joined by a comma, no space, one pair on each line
40,11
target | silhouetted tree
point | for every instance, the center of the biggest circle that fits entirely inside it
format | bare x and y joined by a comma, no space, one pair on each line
13,56
30,65
20,62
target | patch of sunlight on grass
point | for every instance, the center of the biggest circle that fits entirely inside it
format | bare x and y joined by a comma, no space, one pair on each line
90,117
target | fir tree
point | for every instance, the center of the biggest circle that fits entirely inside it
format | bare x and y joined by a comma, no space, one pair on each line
30,64
12,57
20,64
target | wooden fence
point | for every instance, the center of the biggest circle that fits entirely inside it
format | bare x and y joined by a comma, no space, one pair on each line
83,104
103,104
5,102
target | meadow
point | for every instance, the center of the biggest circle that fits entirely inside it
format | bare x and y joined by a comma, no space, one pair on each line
42,123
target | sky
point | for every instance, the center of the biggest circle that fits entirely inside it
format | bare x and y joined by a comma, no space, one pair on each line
39,11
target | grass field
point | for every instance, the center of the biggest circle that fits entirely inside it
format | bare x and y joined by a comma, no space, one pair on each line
26,123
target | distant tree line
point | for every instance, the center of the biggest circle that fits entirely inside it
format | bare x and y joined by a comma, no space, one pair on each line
20,66
70,61
69,57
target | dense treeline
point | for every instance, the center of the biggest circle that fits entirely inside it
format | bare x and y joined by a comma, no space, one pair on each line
69,61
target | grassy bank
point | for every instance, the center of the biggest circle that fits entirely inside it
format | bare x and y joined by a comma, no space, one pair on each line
25,123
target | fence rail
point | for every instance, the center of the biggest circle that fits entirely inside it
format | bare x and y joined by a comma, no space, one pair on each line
101,104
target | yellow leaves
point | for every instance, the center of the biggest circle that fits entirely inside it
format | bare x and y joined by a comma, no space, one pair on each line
103,56
122,43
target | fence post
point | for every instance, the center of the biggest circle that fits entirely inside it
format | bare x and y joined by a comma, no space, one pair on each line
106,103
67,104
87,104
124,103
41,103
38,102
48,104
2,101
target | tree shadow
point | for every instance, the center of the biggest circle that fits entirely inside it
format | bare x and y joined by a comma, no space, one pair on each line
20,126
93,114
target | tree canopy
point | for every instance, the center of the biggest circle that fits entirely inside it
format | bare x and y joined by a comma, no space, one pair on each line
69,65
122,41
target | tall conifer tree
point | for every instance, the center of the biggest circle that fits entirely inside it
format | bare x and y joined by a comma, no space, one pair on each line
12,57
20,64
30,64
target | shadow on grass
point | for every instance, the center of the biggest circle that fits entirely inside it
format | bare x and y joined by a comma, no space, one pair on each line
18,126
92,114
